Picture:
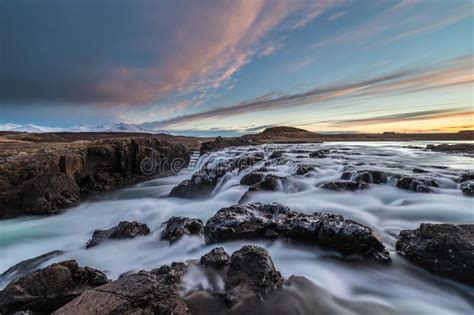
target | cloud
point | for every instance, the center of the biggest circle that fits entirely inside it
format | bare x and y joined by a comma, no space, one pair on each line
456,72
133,53
337,15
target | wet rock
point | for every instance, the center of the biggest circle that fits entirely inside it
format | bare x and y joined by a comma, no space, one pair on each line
144,292
124,230
177,227
417,184
46,290
217,258
419,170
452,148
252,178
466,176
259,220
48,194
304,169
366,176
320,154
444,249
27,266
252,267
271,183
347,185
276,154
468,188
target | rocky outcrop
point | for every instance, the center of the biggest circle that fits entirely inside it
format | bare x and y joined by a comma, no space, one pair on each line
145,292
417,184
217,258
45,182
366,176
252,178
346,185
259,220
467,188
48,289
452,148
124,230
221,143
177,227
444,249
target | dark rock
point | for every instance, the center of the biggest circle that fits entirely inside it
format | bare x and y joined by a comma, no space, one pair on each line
366,176
124,230
444,249
321,154
252,266
452,148
468,188
466,176
419,170
46,290
258,220
217,258
221,143
418,184
48,194
144,292
276,154
177,227
347,185
271,183
304,169
27,266
252,178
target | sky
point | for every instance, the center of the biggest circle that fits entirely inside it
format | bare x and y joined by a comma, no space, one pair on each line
227,67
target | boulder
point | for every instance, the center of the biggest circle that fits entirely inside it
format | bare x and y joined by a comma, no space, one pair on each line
177,227
46,290
366,176
274,220
124,230
276,154
320,154
144,292
444,249
346,185
252,178
417,184
467,188
466,176
304,169
252,267
217,258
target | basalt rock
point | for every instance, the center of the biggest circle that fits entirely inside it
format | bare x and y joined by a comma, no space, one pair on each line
221,143
321,154
417,184
153,292
46,290
466,176
259,220
452,148
366,176
444,249
468,188
124,230
270,183
276,154
177,227
217,258
347,185
304,169
252,178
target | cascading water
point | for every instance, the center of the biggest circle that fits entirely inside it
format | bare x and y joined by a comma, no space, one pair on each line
400,286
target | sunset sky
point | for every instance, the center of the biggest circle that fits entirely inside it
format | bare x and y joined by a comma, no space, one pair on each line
227,67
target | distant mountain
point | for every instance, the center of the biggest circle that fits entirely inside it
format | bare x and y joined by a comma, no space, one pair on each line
119,127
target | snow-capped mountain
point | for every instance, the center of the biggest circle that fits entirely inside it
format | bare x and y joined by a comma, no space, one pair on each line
119,127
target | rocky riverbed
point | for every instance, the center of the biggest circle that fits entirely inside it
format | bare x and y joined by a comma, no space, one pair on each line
331,228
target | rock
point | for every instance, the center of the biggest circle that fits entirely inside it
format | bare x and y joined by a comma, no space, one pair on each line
251,266
321,154
418,184
276,154
452,148
444,249
46,290
217,258
221,143
27,266
304,169
124,230
347,185
366,176
252,178
468,188
48,194
419,170
270,183
177,227
144,292
259,220
466,176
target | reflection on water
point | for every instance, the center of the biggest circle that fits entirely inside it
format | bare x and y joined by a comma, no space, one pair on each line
402,286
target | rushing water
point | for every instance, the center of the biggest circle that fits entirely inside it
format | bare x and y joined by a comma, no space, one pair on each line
400,286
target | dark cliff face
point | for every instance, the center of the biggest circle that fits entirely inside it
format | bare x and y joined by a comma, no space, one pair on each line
56,177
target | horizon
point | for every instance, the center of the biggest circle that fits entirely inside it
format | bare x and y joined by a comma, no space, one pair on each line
236,67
